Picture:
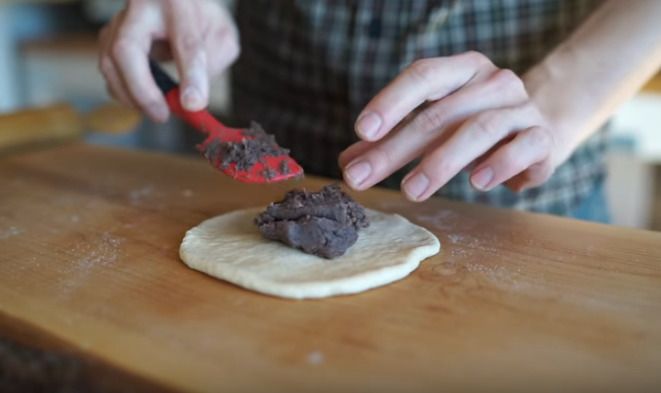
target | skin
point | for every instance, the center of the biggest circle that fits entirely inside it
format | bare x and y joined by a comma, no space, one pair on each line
453,113
199,35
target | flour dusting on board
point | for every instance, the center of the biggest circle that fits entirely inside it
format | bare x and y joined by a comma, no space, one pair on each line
86,257
315,358
187,193
446,220
102,253
6,233
147,197
465,245
137,196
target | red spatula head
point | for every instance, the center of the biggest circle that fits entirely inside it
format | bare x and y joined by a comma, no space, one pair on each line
249,155
252,157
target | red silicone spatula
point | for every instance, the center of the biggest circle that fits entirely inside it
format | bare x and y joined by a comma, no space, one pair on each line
224,147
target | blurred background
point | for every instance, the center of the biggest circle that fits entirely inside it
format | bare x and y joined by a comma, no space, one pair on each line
48,66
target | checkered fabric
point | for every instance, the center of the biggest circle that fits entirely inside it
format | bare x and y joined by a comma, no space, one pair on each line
308,67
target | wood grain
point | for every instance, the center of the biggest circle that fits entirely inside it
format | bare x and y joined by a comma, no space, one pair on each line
514,302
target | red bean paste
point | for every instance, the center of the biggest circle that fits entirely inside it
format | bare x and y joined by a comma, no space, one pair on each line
248,152
323,223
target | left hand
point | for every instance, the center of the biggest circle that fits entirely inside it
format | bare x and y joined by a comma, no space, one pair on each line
453,112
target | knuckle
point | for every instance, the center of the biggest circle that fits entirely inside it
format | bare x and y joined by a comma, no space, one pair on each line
120,48
441,169
189,43
509,79
486,125
227,39
539,173
478,58
539,136
380,158
429,120
505,76
424,70
512,163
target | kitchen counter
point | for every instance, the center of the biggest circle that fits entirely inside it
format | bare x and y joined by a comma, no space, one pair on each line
514,301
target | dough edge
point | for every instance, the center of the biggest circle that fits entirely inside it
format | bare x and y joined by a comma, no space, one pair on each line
312,289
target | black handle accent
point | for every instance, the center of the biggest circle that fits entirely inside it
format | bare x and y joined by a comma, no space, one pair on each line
163,80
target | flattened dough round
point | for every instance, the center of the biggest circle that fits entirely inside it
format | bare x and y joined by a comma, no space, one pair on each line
231,248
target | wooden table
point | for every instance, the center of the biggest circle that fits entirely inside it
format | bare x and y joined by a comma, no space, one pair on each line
515,301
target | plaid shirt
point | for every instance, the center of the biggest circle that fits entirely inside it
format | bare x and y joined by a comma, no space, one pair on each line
308,67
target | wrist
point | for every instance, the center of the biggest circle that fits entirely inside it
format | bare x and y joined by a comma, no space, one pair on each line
560,102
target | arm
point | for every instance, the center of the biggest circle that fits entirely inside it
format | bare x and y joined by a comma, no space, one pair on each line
463,111
582,82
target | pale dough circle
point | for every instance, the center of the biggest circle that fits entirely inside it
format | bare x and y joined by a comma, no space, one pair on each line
230,247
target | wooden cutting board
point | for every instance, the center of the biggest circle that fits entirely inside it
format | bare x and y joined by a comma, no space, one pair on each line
515,301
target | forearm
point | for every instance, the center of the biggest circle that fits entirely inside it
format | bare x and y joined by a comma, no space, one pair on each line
583,81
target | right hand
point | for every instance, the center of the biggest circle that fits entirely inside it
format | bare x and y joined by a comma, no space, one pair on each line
198,34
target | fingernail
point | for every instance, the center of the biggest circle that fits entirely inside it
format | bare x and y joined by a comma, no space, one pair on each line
368,125
191,99
416,186
357,173
482,178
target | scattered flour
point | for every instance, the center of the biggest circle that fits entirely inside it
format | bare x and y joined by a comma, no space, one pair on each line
464,251
86,256
455,238
447,220
10,232
103,253
187,193
316,358
137,196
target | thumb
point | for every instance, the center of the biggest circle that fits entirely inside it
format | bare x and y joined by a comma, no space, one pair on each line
194,83
191,58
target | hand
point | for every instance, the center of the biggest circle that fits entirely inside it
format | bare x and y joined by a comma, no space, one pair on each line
453,112
199,34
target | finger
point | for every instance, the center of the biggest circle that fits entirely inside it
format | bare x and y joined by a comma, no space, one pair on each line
222,47
353,151
361,147
427,129
427,79
534,176
222,43
528,148
471,140
114,83
130,55
188,50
